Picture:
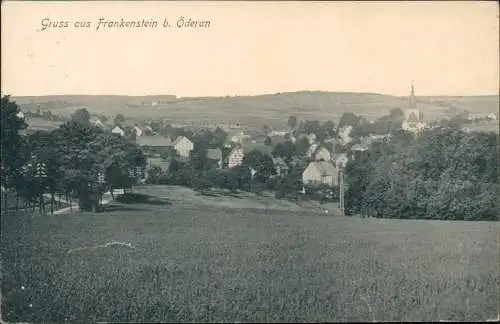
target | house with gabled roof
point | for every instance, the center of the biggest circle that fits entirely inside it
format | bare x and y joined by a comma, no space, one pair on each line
155,145
492,116
183,146
137,130
118,130
320,173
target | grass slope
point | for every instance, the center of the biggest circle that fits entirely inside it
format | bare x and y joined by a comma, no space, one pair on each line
192,259
254,111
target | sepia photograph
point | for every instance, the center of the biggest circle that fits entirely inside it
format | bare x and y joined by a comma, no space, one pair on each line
249,161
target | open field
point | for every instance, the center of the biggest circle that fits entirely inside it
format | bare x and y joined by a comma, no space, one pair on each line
38,123
491,126
475,104
254,111
192,258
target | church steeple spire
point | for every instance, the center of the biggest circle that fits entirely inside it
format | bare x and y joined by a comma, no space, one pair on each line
412,99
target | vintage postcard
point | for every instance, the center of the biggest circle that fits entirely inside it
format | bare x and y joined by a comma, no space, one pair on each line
233,161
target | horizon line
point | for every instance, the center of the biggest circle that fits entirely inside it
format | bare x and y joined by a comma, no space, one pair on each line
250,94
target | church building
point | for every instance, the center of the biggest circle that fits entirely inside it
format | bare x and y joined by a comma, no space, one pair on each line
413,121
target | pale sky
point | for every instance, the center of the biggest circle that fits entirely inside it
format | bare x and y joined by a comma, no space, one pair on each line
447,48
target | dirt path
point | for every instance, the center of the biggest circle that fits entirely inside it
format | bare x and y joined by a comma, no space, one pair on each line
75,206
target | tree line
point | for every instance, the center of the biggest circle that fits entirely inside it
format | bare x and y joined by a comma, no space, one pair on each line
75,160
445,173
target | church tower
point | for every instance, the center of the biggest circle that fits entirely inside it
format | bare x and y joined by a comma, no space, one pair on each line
412,114
412,100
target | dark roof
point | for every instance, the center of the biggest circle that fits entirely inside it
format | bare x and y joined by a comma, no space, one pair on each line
214,154
153,141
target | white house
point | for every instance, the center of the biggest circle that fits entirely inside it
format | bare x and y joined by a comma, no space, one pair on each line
183,146
492,116
118,130
20,115
138,131
235,158
320,173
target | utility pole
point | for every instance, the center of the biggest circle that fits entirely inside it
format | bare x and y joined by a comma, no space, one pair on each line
341,190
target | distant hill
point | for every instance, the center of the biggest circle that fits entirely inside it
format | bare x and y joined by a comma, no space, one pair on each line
271,109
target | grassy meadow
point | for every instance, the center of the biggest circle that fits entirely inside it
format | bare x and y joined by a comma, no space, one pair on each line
246,259
38,123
